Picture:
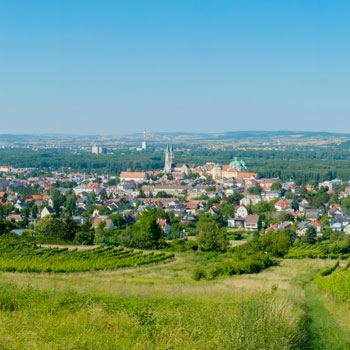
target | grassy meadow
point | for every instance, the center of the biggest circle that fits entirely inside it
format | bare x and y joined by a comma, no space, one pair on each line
161,306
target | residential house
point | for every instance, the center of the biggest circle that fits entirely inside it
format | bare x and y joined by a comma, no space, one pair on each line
266,184
47,211
250,199
241,211
15,217
335,210
283,205
78,219
317,225
271,195
164,225
235,222
97,220
252,222
280,227
302,227
313,214
339,223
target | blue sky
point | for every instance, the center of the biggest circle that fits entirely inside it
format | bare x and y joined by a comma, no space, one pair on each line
113,67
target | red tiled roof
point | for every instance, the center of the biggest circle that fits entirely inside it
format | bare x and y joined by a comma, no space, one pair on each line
133,174
316,223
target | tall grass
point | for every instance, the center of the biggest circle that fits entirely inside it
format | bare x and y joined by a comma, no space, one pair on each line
33,319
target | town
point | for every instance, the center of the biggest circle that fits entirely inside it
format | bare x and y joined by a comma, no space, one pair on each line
99,205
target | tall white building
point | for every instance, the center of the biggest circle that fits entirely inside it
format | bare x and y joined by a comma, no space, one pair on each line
97,150
144,142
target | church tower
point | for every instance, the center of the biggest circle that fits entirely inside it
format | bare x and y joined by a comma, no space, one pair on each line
169,159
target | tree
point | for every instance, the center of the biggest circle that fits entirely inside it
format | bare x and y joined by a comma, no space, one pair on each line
162,194
103,195
276,243
85,237
235,198
92,197
71,228
255,190
3,228
227,210
58,200
345,205
141,194
210,236
49,226
334,198
276,186
284,216
86,234
118,220
212,201
146,231
69,204
303,192
262,207
113,182
295,205
103,210
320,198
310,235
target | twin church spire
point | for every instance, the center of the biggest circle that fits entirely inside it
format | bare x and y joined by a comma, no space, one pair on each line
169,159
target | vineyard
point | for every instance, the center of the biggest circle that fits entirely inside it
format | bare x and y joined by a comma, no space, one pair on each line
312,251
19,256
336,282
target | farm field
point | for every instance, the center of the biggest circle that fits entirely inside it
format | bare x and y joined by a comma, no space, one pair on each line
161,306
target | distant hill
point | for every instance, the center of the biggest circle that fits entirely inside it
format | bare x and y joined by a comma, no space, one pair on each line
256,134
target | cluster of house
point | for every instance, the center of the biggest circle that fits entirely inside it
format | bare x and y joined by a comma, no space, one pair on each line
177,192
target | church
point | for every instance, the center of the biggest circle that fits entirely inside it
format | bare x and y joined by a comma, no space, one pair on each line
169,159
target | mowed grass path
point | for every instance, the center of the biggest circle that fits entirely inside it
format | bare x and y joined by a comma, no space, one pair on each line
326,330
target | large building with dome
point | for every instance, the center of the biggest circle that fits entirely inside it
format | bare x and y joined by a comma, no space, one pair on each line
229,171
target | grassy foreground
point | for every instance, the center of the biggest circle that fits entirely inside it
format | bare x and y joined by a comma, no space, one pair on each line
157,307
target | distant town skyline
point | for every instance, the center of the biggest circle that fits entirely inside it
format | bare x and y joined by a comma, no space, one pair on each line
115,67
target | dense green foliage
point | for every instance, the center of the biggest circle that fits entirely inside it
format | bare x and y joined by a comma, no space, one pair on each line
250,264
313,251
144,234
210,236
16,255
335,281
255,255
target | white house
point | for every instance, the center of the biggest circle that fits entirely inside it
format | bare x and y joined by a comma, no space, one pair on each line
250,199
241,211
47,211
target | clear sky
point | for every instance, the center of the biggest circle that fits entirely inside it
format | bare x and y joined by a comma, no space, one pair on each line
112,67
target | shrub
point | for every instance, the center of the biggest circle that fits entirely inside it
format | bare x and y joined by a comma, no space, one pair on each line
198,274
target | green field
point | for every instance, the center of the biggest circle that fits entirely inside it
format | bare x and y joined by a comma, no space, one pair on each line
161,306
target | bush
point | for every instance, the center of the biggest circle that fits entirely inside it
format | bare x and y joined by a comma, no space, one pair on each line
198,274
251,264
